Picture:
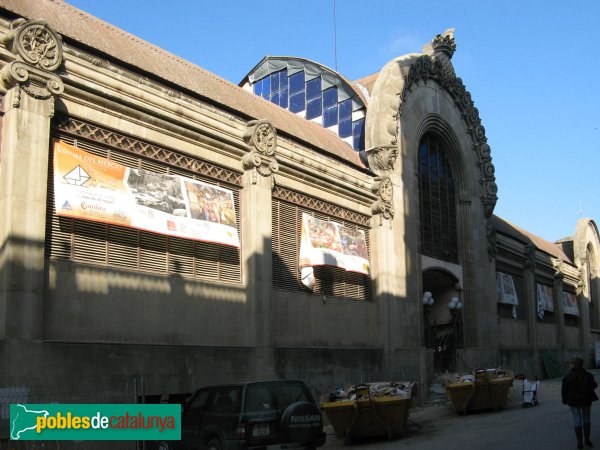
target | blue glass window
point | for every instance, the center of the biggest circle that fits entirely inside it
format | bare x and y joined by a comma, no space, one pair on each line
330,116
358,134
266,88
313,108
297,102
296,82
330,97
283,79
346,110
345,128
258,88
275,98
283,98
313,88
275,81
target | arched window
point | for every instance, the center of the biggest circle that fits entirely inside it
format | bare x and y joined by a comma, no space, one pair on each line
437,199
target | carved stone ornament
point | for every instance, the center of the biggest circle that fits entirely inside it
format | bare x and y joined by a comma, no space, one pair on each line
261,138
261,135
38,52
581,282
438,67
530,252
382,159
34,43
558,269
384,190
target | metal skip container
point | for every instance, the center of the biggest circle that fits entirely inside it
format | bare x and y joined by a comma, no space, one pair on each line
485,389
371,409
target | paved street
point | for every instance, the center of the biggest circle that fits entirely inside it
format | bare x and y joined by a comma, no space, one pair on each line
547,426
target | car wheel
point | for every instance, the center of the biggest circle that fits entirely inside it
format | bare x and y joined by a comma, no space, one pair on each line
214,444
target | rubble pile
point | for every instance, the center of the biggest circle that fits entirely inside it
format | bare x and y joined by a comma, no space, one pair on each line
375,390
476,375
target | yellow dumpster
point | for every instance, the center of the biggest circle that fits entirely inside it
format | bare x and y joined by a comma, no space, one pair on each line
486,389
369,414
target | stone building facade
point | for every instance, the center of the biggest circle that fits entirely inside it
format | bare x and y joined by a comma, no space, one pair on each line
89,306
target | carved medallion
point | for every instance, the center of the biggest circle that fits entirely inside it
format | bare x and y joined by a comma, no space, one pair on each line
261,138
38,45
261,135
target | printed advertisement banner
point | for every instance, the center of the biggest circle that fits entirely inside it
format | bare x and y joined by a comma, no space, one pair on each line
331,244
505,288
570,304
90,187
545,300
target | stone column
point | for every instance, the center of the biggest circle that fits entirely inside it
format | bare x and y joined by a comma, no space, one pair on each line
28,106
471,338
531,297
256,224
558,302
384,264
583,301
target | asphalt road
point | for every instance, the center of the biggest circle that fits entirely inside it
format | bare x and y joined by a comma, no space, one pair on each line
546,426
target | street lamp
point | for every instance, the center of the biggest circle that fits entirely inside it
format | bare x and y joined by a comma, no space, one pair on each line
455,306
428,302
428,298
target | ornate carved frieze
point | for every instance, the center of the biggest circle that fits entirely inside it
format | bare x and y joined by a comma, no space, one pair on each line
438,68
261,138
384,190
320,205
382,160
107,137
38,53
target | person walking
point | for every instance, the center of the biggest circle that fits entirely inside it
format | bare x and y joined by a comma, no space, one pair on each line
578,392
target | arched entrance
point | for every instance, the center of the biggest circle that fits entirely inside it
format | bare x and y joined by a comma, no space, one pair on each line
442,316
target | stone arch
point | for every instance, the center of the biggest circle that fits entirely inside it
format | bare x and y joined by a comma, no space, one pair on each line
400,78
586,252
414,94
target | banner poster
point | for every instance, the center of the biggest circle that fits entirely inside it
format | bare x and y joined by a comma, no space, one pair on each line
90,187
570,304
505,288
545,300
331,244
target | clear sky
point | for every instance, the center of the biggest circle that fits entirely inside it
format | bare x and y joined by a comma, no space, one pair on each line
532,67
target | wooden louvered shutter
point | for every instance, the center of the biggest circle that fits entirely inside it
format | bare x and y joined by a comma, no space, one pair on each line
330,280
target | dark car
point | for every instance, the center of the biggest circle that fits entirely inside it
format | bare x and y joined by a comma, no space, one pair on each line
259,415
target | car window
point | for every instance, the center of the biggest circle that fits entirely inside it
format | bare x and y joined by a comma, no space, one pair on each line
199,400
288,393
262,397
259,399
226,399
